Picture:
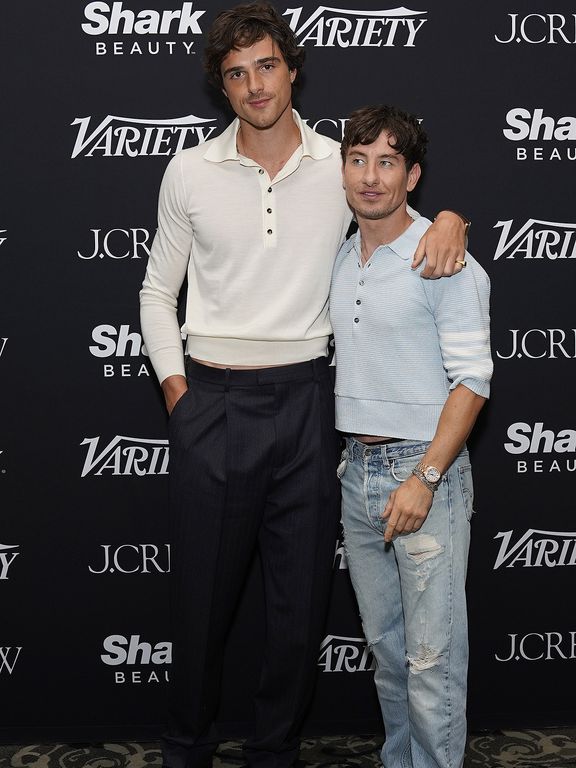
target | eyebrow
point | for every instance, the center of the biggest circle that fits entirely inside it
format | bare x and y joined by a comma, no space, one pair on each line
364,154
258,62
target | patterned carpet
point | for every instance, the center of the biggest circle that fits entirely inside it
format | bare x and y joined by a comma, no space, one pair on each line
551,748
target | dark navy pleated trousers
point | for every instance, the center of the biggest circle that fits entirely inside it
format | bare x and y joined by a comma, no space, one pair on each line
253,457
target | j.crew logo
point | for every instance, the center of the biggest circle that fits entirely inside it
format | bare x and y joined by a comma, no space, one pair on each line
538,28
539,343
343,28
118,244
134,558
536,646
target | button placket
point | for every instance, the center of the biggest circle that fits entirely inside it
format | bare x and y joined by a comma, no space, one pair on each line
269,223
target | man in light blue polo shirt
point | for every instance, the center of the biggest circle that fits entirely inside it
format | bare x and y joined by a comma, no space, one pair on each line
412,373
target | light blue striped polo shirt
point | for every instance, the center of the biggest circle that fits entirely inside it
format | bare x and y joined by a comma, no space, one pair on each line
403,342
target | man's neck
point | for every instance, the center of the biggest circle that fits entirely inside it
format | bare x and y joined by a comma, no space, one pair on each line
377,232
270,147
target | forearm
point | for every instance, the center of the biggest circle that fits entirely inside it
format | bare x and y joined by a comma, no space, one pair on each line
162,336
454,426
443,246
408,506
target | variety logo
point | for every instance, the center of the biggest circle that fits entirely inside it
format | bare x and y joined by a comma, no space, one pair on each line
8,658
126,456
112,19
525,438
112,342
7,557
536,239
539,646
3,239
345,654
540,343
118,244
536,549
133,558
3,342
534,125
343,28
538,28
130,652
137,137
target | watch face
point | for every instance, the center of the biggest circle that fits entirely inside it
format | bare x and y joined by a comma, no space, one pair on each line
432,474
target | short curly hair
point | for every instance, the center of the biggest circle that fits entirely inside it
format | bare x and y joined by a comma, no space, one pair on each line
241,27
366,124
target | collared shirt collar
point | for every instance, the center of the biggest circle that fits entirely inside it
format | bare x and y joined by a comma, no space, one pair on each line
223,147
404,245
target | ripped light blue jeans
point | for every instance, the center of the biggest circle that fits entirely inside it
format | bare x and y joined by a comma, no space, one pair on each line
412,601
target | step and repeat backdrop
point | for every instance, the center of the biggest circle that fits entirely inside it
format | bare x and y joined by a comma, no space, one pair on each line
97,97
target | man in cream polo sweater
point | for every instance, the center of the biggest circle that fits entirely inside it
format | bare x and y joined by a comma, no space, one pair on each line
253,219
413,370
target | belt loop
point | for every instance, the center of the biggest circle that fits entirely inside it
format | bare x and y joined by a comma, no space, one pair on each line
227,380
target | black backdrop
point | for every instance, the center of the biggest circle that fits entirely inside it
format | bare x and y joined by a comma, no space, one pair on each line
97,96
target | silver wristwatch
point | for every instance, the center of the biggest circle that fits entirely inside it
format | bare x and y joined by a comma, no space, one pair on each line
430,476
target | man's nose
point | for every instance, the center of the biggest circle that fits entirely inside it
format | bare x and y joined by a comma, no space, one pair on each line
370,175
254,82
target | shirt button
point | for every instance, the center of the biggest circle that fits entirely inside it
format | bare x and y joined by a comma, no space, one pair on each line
356,319
269,231
361,282
268,210
260,170
358,301
269,189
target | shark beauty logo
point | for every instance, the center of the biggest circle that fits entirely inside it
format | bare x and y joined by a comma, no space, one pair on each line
138,137
146,32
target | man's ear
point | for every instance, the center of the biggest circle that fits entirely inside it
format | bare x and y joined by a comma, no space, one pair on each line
413,176
224,92
293,73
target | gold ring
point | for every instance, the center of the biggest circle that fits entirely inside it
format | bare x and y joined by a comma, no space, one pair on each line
461,261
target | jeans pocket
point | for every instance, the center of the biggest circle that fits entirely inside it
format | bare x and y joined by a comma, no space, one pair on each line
401,468
467,488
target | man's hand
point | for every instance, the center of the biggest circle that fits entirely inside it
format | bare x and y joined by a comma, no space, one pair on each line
407,508
173,388
443,245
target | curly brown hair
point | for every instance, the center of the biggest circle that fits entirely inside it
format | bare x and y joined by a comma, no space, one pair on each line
241,27
366,124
